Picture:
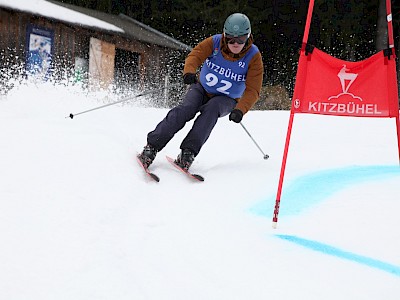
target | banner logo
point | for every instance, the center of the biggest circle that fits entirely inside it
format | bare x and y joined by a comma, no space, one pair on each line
297,103
346,78
344,103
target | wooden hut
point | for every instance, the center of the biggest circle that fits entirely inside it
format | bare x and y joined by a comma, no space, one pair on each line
98,47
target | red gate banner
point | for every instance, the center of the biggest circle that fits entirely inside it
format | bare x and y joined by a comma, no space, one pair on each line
331,86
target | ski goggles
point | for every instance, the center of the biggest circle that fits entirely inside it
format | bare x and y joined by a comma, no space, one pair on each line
241,39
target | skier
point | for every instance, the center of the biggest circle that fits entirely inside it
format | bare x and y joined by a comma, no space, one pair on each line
229,82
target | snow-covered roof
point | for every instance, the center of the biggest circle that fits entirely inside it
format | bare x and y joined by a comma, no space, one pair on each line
54,11
132,28
121,24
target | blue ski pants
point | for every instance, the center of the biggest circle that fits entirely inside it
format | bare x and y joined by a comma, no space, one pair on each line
196,100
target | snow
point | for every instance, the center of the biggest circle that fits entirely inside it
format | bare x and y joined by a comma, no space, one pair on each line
51,10
80,220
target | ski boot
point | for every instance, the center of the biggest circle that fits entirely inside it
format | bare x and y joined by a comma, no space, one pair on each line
185,159
147,156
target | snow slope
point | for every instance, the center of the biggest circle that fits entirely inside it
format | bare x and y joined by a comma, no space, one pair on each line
79,220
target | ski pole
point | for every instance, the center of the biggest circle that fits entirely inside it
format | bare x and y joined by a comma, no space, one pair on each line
266,156
120,101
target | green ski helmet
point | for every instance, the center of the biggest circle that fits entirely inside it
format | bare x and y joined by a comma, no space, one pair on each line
237,24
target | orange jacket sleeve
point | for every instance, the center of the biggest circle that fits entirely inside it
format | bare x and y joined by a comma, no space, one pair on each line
254,80
198,55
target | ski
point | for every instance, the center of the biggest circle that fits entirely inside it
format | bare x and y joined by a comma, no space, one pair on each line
191,175
150,174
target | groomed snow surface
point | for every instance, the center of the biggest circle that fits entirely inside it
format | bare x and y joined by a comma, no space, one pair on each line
80,220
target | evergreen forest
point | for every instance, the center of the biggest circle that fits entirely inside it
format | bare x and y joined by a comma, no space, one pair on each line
348,29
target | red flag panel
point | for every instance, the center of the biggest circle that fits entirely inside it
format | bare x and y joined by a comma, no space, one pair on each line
330,86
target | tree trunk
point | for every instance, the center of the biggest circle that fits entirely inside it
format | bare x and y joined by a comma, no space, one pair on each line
382,27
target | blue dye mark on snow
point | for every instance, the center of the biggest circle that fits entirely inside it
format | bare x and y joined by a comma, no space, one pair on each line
327,249
311,189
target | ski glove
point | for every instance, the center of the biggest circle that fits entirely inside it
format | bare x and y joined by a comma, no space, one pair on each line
189,78
236,116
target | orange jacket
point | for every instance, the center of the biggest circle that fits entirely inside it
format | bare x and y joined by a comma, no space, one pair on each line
254,74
